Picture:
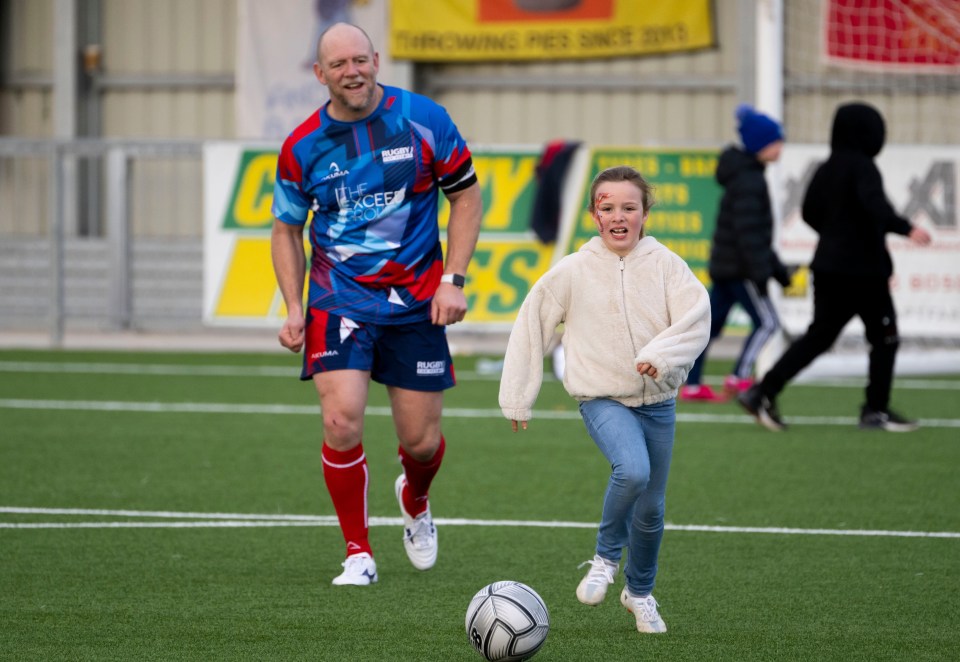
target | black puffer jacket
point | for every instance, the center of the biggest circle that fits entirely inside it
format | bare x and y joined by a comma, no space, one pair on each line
742,241
845,201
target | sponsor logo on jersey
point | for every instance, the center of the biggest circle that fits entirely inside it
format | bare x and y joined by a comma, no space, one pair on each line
358,204
426,368
397,154
335,172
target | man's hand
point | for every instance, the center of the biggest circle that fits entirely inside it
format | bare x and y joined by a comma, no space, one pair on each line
291,333
449,305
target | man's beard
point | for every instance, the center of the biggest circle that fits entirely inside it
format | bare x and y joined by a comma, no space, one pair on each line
356,104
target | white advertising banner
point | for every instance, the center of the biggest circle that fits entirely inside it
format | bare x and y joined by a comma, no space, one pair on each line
922,184
276,88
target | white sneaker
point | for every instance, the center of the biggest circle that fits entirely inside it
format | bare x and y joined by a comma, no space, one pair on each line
419,533
593,588
358,570
645,609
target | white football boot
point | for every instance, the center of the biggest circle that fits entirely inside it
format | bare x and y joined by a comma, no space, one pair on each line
593,587
358,570
419,533
645,610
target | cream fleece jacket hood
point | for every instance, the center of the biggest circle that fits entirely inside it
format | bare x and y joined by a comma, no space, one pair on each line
646,307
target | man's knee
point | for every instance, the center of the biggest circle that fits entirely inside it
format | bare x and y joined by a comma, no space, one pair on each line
342,431
421,447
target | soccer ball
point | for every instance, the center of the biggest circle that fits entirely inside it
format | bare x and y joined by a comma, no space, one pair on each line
507,621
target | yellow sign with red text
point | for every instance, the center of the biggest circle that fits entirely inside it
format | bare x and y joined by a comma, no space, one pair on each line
486,30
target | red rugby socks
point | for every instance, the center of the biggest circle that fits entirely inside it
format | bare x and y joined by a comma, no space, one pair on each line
347,477
419,476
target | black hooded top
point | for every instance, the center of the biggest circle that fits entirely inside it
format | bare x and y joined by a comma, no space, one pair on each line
742,241
845,201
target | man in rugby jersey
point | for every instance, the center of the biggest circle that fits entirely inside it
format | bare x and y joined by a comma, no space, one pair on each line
370,164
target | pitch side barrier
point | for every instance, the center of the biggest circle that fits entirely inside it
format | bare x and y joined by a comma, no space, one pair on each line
240,290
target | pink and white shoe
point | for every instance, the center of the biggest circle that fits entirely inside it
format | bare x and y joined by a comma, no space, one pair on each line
734,385
699,393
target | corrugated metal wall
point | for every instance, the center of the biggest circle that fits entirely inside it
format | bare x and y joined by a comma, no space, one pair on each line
164,67
157,57
163,63
683,99
168,70
680,99
27,50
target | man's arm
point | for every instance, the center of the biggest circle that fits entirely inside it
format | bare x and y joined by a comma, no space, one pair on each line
466,212
289,265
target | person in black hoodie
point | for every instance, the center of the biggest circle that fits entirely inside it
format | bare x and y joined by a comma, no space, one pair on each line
846,204
742,258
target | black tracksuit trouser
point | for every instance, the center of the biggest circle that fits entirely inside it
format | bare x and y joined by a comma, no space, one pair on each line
836,299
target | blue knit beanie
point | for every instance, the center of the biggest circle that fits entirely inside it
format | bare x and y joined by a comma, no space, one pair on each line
756,129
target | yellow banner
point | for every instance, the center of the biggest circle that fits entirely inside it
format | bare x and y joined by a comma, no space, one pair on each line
482,30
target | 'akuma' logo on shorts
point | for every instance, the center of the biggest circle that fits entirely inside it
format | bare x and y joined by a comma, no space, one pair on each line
425,368
324,354
397,154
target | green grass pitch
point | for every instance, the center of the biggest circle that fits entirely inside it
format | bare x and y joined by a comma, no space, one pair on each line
170,506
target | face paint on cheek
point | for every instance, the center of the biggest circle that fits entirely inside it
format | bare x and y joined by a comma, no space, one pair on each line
597,214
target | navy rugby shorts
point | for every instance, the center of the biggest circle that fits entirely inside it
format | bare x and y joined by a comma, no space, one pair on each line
413,356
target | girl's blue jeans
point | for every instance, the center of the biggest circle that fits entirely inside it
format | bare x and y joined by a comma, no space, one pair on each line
638,443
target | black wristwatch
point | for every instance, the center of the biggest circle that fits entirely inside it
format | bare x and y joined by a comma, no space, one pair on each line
454,279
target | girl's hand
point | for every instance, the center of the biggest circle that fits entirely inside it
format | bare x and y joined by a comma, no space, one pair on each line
647,369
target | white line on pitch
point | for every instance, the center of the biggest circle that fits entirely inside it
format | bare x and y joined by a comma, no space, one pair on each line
453,412
150,369
294,371
238,520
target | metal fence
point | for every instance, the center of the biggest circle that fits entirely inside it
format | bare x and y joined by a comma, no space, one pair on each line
100,234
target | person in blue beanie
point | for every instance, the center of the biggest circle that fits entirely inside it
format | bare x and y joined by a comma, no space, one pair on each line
742,258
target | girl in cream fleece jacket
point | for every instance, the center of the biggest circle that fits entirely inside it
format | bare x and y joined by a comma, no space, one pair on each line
635,319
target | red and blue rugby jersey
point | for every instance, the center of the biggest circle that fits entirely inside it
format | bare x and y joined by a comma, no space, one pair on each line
372,186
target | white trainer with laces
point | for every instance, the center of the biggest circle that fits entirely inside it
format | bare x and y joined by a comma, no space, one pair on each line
419,533
645,610
358,570
593,587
